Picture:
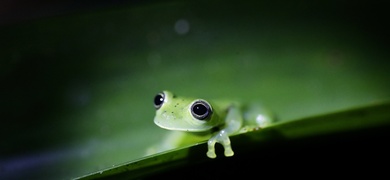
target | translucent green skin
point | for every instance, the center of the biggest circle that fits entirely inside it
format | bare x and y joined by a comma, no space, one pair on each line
226,119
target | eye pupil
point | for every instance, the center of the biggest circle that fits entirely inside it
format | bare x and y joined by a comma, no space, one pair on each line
201,110
159,100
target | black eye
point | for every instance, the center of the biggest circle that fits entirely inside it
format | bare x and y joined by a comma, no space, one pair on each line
201,110
159,100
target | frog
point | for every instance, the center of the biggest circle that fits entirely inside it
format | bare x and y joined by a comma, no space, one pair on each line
192,120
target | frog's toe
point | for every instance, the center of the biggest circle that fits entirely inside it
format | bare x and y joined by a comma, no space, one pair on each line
229,152
211,154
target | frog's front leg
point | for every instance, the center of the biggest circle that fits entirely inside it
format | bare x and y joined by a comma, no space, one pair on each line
233,123
223,138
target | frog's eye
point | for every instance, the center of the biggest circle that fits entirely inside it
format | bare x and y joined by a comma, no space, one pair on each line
159,100
201,110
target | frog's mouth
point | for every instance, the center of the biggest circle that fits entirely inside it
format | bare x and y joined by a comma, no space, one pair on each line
182,125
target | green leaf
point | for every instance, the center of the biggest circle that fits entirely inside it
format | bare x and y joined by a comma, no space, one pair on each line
341,139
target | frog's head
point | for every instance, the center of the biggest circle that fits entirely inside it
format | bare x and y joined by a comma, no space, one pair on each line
184,114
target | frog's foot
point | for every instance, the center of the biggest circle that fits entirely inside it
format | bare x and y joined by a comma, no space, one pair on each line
228,151
211,154
263,121
259,116
222,138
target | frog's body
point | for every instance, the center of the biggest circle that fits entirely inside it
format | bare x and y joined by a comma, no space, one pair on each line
193,120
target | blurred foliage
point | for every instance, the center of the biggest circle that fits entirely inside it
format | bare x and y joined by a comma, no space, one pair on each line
77,89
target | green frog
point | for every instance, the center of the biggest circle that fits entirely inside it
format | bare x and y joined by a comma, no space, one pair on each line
193,120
